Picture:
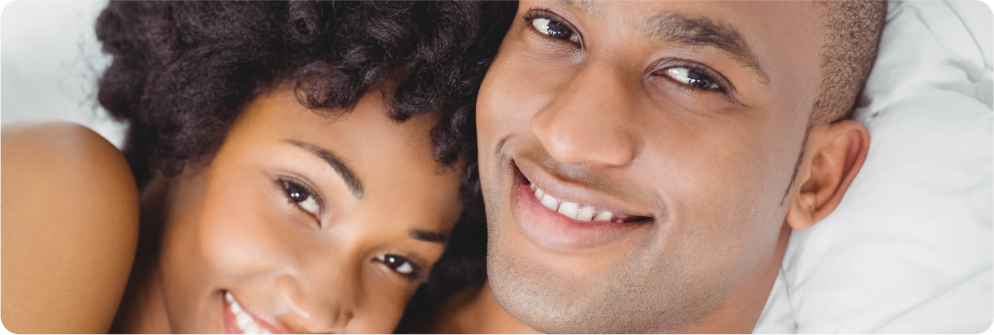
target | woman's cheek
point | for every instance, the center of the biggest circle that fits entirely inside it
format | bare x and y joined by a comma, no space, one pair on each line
241,239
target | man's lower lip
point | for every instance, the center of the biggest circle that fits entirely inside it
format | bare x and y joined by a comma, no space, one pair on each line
549,228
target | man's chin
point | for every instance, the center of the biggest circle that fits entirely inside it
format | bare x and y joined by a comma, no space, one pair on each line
555,293
532,304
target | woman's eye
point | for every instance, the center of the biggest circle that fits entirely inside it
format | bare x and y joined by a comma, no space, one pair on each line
691,77
302,197
399,264
555,29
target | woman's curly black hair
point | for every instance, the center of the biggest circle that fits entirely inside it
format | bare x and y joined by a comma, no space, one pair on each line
183,71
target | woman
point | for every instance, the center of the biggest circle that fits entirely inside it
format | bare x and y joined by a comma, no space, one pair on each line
296,167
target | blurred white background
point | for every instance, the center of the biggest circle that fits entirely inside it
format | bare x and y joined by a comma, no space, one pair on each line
49,63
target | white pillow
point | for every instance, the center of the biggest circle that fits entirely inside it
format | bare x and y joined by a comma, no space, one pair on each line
911,246
51,60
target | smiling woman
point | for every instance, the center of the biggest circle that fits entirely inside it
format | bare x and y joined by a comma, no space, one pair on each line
286,205
289,168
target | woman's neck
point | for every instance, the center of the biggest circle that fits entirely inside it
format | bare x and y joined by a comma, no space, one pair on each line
143,308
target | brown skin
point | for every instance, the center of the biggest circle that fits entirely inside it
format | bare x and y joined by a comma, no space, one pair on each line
230,226
472,310
70,226
603,120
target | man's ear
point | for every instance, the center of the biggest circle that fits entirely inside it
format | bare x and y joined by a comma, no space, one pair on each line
834,155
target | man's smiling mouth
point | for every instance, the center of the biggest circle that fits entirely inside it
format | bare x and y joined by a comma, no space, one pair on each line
567,222
578,211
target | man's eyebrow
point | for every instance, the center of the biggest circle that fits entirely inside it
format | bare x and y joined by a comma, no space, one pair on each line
427,236
678,28
354,184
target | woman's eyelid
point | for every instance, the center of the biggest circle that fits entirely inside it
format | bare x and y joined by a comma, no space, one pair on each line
542,13
417,270
310,189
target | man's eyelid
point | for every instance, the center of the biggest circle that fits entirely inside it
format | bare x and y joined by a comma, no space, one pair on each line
724,85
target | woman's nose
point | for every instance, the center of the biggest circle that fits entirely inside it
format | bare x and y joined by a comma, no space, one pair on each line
316,306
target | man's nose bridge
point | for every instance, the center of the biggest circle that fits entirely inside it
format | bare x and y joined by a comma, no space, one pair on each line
320,299
587,121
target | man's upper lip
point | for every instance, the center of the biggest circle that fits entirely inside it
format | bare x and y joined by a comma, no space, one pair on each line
569,191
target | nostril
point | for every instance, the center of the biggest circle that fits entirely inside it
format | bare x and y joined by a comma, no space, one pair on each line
312,311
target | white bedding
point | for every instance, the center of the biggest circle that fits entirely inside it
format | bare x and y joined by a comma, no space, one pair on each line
911,248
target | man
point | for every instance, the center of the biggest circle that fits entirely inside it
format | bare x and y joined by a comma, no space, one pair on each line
643,163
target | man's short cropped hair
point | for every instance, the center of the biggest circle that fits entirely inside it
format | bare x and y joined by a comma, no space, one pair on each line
853,30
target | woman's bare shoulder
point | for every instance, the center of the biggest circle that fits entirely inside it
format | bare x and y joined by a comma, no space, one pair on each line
69,228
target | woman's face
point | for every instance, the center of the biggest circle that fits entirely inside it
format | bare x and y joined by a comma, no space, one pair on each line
307,223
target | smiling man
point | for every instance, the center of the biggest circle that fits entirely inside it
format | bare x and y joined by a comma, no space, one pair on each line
643,163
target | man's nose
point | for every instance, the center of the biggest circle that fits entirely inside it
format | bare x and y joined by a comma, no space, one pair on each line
587,121
316,306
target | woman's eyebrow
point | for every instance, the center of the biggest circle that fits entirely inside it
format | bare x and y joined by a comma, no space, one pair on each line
427,236
703,31
354,184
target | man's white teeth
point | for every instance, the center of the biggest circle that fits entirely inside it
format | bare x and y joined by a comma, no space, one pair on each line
571,210
242,319
550,202
603,216
586,213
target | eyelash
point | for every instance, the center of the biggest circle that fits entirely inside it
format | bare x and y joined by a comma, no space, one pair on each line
719,81
285,183
537,13
417,274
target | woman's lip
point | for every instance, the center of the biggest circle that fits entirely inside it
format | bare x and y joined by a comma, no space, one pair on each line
549,228
231,327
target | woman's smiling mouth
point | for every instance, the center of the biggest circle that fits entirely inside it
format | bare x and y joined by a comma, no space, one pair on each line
237,320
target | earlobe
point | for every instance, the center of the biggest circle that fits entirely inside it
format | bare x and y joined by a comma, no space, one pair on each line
799,216
835,155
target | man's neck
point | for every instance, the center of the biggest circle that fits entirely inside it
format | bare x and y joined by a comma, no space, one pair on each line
475,310
740,312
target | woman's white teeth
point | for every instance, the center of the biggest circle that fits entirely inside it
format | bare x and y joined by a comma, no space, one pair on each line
242,319
571,210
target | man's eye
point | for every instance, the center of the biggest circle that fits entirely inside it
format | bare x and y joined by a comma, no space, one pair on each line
301,196
555,29
692,77
400,265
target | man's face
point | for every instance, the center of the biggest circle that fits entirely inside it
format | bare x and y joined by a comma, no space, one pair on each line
661,137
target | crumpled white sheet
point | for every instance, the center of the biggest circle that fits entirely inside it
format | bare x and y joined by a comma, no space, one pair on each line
911,247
